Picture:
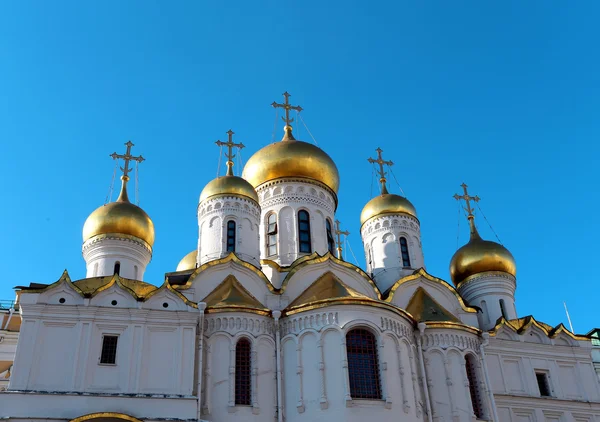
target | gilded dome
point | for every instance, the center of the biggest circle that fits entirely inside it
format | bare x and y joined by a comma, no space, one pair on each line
291,158
188,262
120,217
387,203
480,256
229,185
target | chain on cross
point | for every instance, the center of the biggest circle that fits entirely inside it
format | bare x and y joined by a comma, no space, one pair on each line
229,154
338,235
382,173
127,157
467,198
287,107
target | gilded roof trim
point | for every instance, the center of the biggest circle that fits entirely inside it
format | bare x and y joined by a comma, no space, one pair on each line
348,301
232,257
454,326
422,273
231,294
417,308
315,258
321,289
167,286
520,326
105,415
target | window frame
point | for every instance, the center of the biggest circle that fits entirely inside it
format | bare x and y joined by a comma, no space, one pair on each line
269,233
330,239
249,380
306,231
475,393
546,382
102,345
359,365
404,252
232,237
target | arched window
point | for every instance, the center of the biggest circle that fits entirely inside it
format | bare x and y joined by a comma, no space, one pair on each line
243,372
363,364
272,234
330,241
404,251
231,236
503,309
476,398
484,311
117,268
135,272
369,258
304,231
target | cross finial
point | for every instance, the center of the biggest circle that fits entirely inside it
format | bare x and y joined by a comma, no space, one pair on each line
127,157
287,107
381,172
229,154
467,198
338,234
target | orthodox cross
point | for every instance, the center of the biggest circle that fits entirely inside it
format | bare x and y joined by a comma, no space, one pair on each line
127,157
338,234
287,107
467,200
382,172
229,154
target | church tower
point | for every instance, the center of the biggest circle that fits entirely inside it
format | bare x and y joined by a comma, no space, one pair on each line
118,237
228,216
484,273
391,234
297,186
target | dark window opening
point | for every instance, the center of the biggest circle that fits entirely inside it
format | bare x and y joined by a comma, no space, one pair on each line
404,251
363,364
543,385
109,350
476,399
231,236
304,232
117,268
272,235
330,241
243,373
503,308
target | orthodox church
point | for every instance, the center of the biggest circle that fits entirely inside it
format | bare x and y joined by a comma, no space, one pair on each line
264,321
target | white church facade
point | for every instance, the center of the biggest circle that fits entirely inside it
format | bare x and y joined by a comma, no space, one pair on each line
265,322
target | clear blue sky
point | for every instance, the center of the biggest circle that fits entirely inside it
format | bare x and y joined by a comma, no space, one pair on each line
501,95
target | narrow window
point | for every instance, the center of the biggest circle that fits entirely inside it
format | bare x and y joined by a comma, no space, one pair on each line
231,236
117,268
108,355
330,241
543,384
369,258
304,231
503,308
135,272
272,234
404,251
95,269
363,364
484,311
476,399
242,372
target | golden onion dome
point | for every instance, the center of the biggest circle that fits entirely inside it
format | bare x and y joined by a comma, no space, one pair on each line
120,217
479,256
291,158
229,185
188,262
387,203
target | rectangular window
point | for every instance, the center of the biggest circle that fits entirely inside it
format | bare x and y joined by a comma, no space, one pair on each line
543,384
108,356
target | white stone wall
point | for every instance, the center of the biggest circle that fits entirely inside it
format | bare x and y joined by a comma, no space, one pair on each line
286,197
213,215
485,291
101,253
381,240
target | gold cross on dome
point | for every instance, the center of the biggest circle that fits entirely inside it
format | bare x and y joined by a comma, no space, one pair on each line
467,200
382,172
338,234
287,107
229,154
127,157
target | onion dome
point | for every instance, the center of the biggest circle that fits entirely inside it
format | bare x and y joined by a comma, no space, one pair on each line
291,159
121,218
188,262
387,203
479,256
228,185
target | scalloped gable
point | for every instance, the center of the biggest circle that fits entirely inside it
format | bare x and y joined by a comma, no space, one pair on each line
521,326
231,294
423,307
328,286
